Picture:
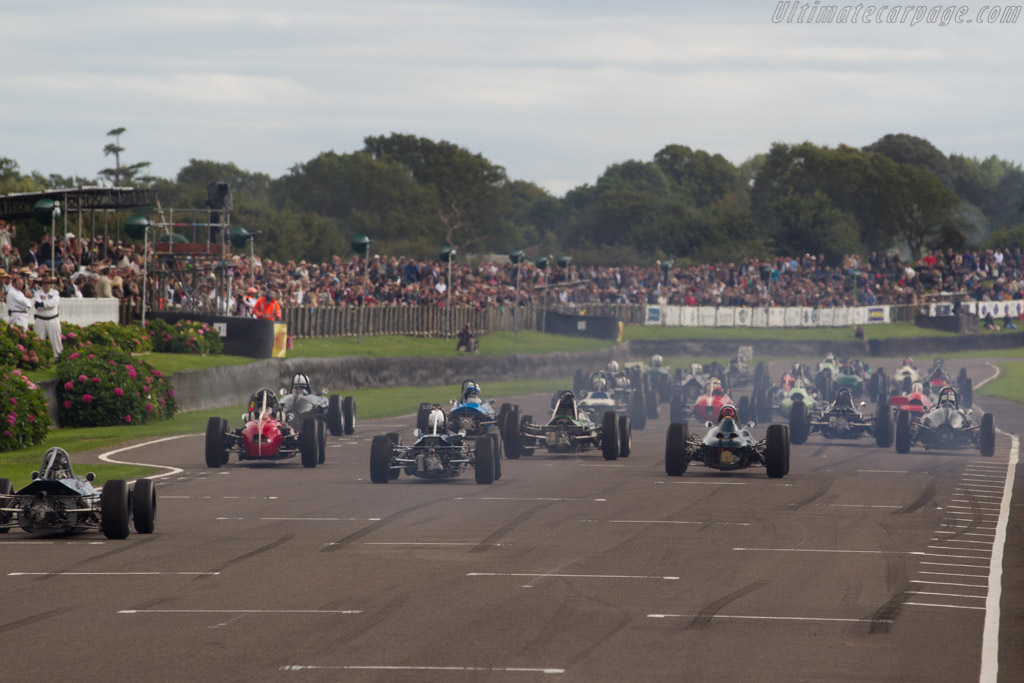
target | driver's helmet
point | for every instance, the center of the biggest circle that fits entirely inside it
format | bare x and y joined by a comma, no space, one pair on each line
787,381
947,397
300,383
938,363
830,358
727,411
472,391
908,361
56,464
259,399
917,388
656,360
849,369
435,421
844,399
613,366
599,384
714,385
798,369
695,368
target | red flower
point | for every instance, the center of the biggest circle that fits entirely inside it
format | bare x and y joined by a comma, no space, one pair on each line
127,418
86,398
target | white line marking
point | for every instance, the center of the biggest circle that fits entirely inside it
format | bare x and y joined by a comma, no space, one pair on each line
944,583
928,604
769,618
6,543
670,521
413,543
886,471
320,519
240,611
851,505
114,574
949,595
960,540
574,576
973,550
582,465
306,667
960,533
587,500
823,550
171,471
966,576
709,483
950,564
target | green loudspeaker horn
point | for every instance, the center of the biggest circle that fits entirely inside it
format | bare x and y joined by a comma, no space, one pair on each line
173,237
240,236
45,211
361,244
135,227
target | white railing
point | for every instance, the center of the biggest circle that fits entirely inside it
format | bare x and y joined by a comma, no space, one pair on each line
83,312
794,316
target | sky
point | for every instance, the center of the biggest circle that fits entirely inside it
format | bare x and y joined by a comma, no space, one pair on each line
553,91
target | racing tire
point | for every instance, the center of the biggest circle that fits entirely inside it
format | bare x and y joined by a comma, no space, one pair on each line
799,427
380,459
961,378
652,405
513,435
334,422
987,437
676,410
625,436
309,444
744,409
610,436
321,438
676,460
903,431
526,419
786,427
216,454
115,514
421,416
883,426
144,506
967,393
874,382
775,452
6,488
483,461
764,407
579,381
496,449
348,414
638,410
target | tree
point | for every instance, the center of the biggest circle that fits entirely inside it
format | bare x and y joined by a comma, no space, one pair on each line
704,178
122,176
811,224
910,149
922,208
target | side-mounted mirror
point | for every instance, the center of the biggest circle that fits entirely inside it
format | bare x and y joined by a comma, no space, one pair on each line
970,411
282,391
863,403
90,476
453,402
34,476
417,432
751,425
462,432
709,424
491,401
245,416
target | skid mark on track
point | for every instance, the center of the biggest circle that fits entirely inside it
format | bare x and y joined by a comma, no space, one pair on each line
492,540
248,555
355,536
923,499
705,615
28,621
120,548
803,502
897,580
847,462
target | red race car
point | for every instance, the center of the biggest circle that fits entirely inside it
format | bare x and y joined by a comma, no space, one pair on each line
917,402
710,403
266,436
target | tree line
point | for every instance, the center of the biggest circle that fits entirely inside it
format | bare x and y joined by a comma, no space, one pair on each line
412,195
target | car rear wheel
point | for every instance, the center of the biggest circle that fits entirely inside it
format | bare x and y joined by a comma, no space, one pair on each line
799,427
652,405
610,436
496,449
348,414
883,426
380,459
987,438
625,436
676,459
483,462
786,428
114,511
775,451
216,454
903,431
421,416
308,446
321,439
676,409
6,488
967,393
744,409
334,420
513,435
638,410
144,506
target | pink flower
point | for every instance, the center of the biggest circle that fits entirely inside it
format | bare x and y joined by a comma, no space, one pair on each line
127,418
110,362
32,386
83,378
72,335
86,398
67,405
170,392
149,407
8,434
68,386
118,391
20,347
32,419
163,402
74,355
157,373
63,337
95,380
12,418
14,401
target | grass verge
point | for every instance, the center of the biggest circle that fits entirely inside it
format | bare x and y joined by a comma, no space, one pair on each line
1009,384
886,331
496,344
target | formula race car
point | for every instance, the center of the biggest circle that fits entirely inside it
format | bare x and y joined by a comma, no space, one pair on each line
470,413
710,403
946,426
727,446
438,453
569,431
58,501
624,388
300,401
839,420
917,402
266,436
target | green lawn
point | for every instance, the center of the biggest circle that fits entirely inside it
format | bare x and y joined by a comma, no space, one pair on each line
1009,384
167,363
887,331
496,344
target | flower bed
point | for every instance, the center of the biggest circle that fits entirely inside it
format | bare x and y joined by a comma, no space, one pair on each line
100,386
184,336
131,338
23,411
23,349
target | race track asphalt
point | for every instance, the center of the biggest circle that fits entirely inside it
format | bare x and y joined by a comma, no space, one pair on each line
861,564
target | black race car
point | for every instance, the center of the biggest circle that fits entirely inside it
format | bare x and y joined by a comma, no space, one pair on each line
946,426
839,420
728,445
300,402
570,430
58,501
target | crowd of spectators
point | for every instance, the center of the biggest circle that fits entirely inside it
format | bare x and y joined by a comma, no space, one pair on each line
92,268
